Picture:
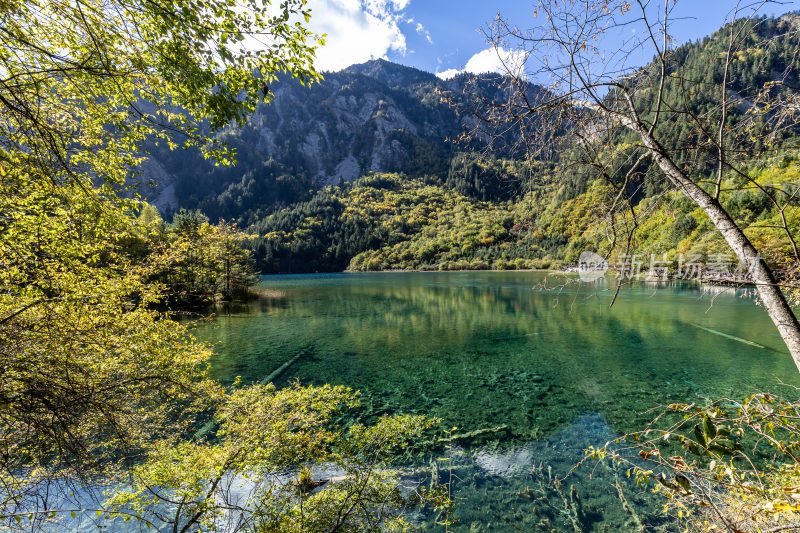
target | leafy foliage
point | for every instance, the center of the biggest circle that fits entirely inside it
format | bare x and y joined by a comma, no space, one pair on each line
729,465
195,261
84,355
83,91
272,441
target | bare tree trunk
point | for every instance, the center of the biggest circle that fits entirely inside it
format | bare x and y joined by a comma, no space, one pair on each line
771,296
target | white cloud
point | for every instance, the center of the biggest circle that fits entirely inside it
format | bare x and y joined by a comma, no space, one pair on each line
422,31
357,30
492,59
449,73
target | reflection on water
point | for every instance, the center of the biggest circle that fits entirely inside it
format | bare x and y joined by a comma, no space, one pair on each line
504,356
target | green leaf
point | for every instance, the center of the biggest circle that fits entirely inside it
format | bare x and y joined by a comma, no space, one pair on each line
708,427
699,435
720,449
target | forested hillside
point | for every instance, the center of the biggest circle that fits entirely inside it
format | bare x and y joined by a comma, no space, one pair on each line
764,65
392,221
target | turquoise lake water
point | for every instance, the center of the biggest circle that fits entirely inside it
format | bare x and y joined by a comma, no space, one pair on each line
535,368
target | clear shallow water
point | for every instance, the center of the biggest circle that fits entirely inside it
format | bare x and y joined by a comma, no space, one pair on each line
546,372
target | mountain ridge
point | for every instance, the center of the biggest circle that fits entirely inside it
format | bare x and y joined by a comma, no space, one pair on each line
372,117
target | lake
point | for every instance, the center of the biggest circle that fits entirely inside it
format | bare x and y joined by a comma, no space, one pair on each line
531,368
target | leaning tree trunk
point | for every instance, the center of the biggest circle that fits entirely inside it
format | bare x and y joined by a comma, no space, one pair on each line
768,290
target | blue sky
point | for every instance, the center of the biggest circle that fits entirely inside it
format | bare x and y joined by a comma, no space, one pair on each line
442,35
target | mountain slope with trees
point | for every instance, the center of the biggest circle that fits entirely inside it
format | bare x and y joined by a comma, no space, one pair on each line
396,222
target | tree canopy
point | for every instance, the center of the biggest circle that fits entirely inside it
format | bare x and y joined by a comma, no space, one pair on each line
85,83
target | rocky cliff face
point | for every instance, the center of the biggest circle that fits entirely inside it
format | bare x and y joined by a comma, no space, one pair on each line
377,116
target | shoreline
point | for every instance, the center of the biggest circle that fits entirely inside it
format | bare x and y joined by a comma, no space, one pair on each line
709,282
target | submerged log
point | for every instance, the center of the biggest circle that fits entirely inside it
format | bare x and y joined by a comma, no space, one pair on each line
211,424
476,433
278,371
731,337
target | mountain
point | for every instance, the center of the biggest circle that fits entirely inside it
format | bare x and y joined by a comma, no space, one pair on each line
391,74
476,214
376,116
299,183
